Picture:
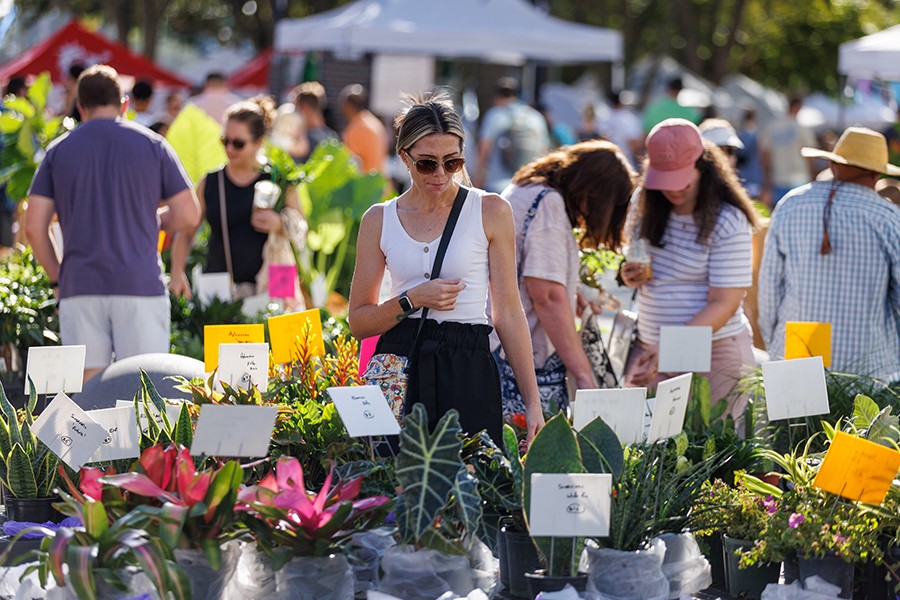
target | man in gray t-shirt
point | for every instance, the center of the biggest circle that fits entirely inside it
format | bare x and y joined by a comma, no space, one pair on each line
107,181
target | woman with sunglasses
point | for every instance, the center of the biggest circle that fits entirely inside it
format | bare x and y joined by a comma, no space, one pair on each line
452,366
584,186
698,220
248,229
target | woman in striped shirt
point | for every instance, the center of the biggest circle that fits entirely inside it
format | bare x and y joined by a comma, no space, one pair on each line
698,220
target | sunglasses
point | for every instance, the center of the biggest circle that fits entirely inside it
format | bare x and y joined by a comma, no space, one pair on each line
236,142
427,166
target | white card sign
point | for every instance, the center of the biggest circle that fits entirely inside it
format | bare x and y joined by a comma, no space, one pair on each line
209,286
685,349
364,411
669,407
224,430
795,388
244,365
622,409
55,369
173,411
122,439
68,431
570,504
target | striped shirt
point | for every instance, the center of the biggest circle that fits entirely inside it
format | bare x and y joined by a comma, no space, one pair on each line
684,269
856,287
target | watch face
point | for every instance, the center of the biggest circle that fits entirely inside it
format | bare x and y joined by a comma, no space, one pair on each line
405,304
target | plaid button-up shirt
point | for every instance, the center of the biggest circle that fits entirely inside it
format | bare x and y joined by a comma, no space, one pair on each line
856,287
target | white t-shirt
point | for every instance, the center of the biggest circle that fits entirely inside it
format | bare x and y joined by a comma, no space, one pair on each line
684,270
550,252
621,126
784,138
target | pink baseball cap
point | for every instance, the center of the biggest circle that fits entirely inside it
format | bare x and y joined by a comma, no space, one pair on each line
673,147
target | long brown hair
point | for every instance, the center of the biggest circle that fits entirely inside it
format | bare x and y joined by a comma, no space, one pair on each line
718,185
595,181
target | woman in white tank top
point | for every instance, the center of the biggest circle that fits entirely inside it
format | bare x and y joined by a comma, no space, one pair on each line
452,366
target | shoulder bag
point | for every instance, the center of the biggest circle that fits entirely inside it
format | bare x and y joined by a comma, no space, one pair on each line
391,371
551,377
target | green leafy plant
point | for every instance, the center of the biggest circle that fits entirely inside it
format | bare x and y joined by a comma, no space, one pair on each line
105,548
27,467
333,195
190,316
27,306
439,506
734,510
26,132
594,262
498,487
558,448
288,521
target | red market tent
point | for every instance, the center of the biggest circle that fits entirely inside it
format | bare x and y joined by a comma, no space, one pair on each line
74,44
254,74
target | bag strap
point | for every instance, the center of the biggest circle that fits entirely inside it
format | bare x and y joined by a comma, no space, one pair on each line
529,217
224,213
441,251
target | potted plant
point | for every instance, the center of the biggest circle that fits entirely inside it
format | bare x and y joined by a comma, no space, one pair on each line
106,558
437,511
193,512
302,532
27,467
826,534
558,448
499,475
739,515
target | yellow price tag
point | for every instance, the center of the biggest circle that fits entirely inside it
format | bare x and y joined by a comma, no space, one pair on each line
858,469
806,339
284,329
213,335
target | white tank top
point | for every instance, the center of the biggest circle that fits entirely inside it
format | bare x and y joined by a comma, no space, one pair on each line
409,262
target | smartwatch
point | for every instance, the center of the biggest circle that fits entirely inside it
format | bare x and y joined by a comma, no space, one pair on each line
406,304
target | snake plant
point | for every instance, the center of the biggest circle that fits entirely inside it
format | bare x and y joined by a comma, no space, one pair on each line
27,467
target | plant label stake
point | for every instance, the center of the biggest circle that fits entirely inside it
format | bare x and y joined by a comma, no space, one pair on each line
54,369
364,410
239,431
68,431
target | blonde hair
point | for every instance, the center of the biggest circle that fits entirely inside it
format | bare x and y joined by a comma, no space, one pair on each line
426,114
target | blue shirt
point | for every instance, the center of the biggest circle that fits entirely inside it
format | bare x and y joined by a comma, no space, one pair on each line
856,287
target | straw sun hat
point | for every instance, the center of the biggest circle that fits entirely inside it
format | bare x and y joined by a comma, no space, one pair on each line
858,147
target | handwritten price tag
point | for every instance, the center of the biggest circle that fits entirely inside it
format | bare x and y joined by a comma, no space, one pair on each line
55,369
364,411
68,431
122,439
572,504
215,335
244,365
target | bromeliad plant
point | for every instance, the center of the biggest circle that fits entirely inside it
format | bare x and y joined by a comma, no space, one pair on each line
27,467
289,521
190,509
106,548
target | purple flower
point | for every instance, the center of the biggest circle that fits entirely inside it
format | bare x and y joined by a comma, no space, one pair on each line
770,505
795,519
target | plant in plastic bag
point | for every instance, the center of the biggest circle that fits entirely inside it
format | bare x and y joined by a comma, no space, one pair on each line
439,506
191,509
106,549
27,467
558,448
289,521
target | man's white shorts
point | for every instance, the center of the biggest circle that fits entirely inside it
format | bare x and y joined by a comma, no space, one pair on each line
115,326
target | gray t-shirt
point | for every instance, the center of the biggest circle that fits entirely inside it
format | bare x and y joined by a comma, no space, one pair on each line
106,179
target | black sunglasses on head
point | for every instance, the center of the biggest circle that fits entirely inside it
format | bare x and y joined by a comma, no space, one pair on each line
427,166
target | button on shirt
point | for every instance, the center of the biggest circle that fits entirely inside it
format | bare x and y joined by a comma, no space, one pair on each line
856,287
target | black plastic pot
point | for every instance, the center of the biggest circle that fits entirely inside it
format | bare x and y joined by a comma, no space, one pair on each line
521,558
832,569
539,582
31,510
712,549
747,582
502,558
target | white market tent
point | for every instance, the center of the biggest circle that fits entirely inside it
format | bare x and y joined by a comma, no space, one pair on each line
502,31
875,56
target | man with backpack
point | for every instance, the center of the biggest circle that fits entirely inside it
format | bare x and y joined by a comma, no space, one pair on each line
512,135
